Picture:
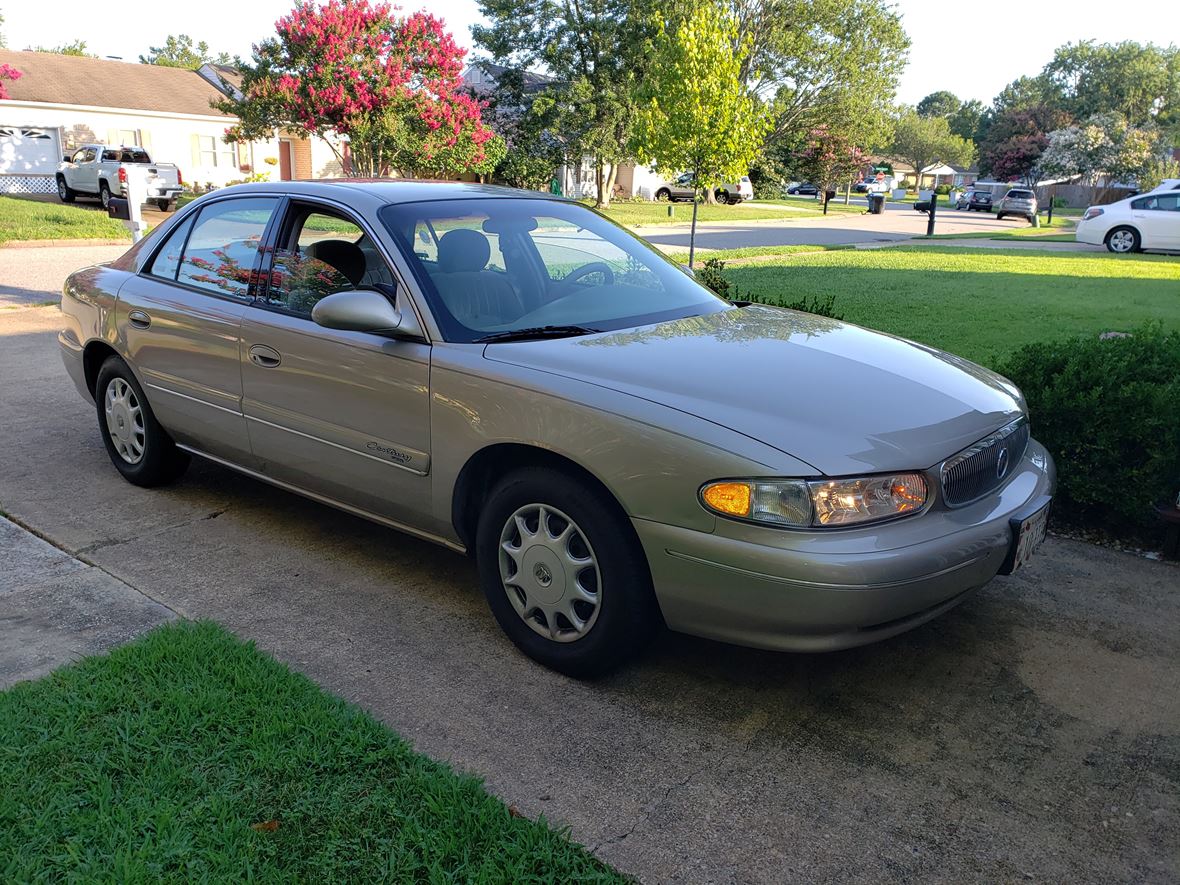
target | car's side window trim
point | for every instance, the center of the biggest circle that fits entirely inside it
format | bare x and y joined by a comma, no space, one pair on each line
256,271
280,226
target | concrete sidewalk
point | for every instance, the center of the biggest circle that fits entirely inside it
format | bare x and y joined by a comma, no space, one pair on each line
35,275
54,608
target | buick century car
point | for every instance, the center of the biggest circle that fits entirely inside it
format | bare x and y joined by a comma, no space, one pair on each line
514,376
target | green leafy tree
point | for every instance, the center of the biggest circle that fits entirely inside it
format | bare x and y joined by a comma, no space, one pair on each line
964,122
594,51
922,141
74,47
939,104
1156,170
829,159
1139,82
527,117
179,52
695,114
832,63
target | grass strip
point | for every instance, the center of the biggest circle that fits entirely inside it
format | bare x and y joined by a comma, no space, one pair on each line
22,219
189,755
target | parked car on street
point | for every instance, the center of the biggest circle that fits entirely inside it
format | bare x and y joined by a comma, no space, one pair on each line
1018,201
682,189
100,170
514,376
964,199
981,201
805,189
1148,221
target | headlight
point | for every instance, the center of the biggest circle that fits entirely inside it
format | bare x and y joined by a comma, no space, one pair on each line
798,503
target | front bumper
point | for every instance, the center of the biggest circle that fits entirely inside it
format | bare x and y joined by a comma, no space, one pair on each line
821,591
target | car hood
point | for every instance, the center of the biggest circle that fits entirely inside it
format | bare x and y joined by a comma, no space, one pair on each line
844,399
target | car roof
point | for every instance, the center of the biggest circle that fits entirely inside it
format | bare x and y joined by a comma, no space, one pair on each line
384,191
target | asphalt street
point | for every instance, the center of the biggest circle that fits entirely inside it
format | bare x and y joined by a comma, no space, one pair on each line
1033,733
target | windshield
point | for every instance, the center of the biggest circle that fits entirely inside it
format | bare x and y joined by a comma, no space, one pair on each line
503,264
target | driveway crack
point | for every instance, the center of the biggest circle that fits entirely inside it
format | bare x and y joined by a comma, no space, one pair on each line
643,816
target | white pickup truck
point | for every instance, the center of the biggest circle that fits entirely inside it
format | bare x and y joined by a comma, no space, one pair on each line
101,170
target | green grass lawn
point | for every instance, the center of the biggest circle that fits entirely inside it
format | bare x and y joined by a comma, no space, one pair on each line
1049,232
37,220
189,756
981,304
680,252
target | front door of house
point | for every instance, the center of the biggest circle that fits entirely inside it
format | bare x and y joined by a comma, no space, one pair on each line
286,160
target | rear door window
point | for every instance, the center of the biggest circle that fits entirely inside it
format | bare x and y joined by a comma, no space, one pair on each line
222,250
167,260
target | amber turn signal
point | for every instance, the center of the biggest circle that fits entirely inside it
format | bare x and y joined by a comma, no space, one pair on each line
730,498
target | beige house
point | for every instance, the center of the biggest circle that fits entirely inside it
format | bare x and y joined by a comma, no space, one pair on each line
63,101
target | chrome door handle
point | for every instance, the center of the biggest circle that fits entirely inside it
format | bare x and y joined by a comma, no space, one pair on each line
264,356
139,319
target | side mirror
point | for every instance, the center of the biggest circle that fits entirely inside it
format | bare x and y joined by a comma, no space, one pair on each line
65,158
688,270
363,310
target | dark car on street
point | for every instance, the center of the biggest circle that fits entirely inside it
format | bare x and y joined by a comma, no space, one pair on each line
803,190
981,201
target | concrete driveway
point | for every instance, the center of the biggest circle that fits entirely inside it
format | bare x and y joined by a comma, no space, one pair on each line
1033,733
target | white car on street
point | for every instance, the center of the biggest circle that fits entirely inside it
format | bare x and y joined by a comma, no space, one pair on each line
1147,221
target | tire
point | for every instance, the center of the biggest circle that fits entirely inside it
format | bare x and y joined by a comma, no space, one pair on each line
721,196
104,193
616,621
165,205
999,216
65,193
131,429
663,195
1123,240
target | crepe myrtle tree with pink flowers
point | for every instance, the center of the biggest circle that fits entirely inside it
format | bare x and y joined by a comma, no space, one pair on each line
383,91
828,158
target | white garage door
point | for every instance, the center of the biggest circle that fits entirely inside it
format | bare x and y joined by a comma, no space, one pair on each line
26,150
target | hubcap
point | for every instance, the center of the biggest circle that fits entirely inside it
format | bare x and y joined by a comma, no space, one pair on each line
125,421
549,573
1122,241
61,188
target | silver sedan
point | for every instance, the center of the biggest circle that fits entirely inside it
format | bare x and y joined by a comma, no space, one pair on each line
515,377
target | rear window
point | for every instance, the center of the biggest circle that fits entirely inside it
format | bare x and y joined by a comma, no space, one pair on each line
1020,195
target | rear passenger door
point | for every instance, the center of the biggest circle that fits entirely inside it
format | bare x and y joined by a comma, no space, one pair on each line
345,415
181,321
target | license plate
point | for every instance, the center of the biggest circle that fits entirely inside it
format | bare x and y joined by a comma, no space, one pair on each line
1028,531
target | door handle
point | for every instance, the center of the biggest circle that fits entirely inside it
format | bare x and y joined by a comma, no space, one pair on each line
264,356
139,319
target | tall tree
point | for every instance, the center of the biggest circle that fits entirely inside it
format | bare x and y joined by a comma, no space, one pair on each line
394,93
695,113
1133,80
964,122
527,117
834,63
1015,140
179,52
829,159
939,104
594,51
923,141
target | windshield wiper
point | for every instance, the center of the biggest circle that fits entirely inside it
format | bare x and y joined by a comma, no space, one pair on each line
536,332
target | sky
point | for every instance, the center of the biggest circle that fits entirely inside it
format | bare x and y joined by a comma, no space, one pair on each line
973,49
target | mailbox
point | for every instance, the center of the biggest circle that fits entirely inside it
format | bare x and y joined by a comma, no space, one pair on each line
119,208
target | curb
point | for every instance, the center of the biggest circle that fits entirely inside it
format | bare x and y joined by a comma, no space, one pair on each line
40,244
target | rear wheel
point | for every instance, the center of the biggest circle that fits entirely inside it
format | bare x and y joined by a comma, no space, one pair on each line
1123,240
65,193
563,573
999,216
165,205
104,194
138,446
663,195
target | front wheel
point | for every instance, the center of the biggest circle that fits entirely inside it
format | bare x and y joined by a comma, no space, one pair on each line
65,193
138,446
1123,240
663,195
563,573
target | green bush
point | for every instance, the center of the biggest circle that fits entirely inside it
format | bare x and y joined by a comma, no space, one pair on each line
1060,203
942,190
1109,412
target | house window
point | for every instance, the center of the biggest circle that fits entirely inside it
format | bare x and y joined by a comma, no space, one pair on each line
215,152
129,138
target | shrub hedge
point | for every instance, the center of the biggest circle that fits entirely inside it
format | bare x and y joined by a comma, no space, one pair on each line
1109,412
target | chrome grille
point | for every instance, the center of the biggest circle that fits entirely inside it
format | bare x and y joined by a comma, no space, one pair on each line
976,470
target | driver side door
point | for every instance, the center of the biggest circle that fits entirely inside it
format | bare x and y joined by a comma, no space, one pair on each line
342,415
